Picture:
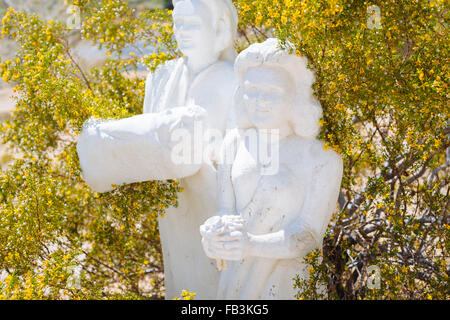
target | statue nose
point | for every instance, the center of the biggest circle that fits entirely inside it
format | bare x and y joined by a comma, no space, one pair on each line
260,100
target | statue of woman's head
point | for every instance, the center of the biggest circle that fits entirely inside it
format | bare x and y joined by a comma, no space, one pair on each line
206,28
275,89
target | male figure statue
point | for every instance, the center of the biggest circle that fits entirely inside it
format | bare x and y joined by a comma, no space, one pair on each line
138,148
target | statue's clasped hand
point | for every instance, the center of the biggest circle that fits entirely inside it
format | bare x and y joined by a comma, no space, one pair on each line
225,238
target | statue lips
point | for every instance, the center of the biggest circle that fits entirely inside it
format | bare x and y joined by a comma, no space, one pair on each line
262,109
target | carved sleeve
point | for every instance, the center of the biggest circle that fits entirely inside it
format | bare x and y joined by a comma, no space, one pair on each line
226,196
148,96
134,149
307,232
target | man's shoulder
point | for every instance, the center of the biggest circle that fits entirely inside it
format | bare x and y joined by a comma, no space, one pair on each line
164,69
222,76
223,69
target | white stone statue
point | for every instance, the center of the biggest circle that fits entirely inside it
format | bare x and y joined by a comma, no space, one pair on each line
267,222
196,88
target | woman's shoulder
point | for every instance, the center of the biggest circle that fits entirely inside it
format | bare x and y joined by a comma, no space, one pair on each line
312,153
325,154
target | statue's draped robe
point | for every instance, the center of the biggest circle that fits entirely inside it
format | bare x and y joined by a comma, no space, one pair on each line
185,264
280,202
138,149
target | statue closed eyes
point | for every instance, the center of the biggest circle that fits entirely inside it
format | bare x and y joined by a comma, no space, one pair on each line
267,223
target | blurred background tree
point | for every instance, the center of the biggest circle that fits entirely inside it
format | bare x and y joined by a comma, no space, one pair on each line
381,77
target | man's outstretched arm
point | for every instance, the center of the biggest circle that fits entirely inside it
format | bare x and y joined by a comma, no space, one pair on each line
135,149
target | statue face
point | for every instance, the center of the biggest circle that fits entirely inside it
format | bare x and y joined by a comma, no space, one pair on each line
194,29
268,95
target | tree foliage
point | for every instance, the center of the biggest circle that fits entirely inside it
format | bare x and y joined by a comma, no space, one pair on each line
50,221
383,86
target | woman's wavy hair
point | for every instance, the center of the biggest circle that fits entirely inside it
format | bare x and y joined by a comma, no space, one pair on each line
306,110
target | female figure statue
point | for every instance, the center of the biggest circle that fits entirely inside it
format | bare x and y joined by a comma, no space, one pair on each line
267,222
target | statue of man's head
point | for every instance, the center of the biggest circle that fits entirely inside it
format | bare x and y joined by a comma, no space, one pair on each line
206,28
